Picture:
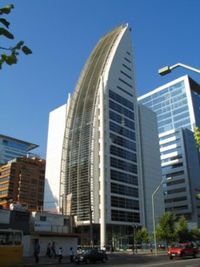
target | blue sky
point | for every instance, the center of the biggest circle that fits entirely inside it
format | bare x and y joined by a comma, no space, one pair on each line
62,34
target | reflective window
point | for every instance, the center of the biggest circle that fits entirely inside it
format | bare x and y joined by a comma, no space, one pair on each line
126,83
124,190
125,216
171,107
123,165
171,167
177,142
123,177
176,199
125,203
182,123
177,190
121,110
117,151
122,120
115,139
179,181
177,208
126,67
176,149
121,131
120,99
124,91
172,174
126,75
196,106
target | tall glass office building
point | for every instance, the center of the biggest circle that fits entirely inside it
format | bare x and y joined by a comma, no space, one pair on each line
11,148
101,181
177,106
100,141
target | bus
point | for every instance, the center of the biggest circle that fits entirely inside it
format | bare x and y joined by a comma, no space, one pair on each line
11,249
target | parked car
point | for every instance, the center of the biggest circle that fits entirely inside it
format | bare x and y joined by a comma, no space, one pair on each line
91,256
161,247
182,250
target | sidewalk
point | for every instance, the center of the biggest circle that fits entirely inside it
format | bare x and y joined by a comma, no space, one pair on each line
43,260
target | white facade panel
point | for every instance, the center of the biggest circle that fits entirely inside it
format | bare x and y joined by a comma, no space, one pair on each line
53,158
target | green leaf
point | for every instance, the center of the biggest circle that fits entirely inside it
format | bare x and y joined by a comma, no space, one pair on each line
198,196
6,9
19,45
197,137
26,50
6,33
12,59
5,22
4,57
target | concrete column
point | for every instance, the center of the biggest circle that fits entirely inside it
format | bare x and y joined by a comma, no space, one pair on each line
102,169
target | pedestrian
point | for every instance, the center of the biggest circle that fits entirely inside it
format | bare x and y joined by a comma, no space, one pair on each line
71,254
36,250
60,256
151,249
48,253
53,249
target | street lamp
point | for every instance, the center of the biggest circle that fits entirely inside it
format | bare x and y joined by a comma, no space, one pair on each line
167,69
134,238
153,211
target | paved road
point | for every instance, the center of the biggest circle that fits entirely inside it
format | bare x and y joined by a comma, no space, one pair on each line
152,261
121,260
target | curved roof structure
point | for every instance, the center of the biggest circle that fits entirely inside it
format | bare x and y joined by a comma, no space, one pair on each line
76,156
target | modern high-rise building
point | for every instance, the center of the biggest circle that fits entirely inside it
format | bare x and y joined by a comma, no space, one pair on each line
11,148
100,167
177,106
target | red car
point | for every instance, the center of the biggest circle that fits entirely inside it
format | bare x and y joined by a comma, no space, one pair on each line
182,250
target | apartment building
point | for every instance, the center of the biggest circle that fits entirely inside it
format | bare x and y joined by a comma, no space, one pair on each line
22,183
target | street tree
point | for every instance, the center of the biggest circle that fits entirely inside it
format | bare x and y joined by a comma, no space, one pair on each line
197,141
181,231
9,54
165,230
142,236
197,137
195,234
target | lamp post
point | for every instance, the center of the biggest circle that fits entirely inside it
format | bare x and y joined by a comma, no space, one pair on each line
134,239
167,69
153,211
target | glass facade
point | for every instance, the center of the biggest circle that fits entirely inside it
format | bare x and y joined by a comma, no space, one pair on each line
11,148
171,106
177,107
82,157
196,104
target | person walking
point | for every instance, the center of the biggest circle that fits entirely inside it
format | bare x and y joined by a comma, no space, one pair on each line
71,254
48,253
53,249
60,256
36,250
